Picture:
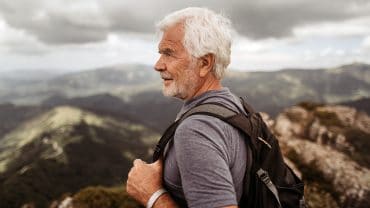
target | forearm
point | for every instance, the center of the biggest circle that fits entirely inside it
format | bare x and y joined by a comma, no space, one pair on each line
165,201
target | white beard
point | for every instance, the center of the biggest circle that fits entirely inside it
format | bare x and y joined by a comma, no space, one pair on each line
183,86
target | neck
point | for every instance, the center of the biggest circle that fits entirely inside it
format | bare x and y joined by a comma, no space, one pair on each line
208,84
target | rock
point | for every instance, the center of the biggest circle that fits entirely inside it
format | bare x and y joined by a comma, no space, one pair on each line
316,142
292,122
66,203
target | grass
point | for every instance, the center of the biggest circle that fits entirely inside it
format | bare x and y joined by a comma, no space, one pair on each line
99,196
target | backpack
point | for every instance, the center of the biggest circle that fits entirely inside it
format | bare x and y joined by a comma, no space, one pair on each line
270,182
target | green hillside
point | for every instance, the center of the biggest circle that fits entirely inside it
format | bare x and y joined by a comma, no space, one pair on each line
64,150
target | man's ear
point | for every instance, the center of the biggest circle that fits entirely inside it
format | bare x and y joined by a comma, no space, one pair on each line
206,64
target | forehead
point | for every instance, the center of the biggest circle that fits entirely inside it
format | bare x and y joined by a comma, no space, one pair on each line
172,37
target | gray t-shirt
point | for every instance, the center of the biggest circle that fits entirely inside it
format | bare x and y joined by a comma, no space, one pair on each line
206,162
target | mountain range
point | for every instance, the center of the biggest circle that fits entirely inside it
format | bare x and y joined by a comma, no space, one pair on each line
69,154
268,91
72,136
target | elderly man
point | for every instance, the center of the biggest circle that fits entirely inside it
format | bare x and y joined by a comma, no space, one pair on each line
202,166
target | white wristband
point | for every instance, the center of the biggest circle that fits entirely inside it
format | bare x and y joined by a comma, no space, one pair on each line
154,197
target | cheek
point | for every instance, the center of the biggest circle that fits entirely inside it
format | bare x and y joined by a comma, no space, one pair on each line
176,68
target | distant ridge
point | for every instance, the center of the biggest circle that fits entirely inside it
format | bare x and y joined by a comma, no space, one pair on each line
362,104
268,91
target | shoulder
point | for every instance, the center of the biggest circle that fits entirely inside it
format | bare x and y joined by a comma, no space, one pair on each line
203,134
198,131
201,124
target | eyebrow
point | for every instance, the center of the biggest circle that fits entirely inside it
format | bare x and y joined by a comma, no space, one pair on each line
166,50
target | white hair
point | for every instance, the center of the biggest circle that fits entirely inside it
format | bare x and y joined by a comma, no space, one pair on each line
205,33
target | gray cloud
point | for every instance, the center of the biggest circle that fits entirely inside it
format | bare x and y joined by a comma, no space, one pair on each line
54,24
65,22
271,18
278,20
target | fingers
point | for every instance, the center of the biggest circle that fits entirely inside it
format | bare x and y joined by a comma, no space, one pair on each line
143,179
138,162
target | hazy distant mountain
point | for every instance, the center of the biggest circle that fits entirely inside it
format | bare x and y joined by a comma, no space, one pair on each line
64,150
267,91
272,91
15,77
122,80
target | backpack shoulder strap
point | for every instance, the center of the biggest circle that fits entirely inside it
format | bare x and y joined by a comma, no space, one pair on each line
248,108
212,109
238,120
166,137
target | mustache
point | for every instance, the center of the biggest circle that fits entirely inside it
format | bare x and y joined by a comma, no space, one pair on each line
165,75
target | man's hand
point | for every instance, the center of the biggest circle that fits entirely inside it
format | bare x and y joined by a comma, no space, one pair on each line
144,179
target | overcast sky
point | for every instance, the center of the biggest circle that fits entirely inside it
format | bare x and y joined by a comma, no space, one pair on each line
270,34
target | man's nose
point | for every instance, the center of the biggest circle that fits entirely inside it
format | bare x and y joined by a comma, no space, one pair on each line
159,65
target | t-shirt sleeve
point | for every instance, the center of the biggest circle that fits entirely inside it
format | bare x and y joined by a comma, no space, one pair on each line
203,162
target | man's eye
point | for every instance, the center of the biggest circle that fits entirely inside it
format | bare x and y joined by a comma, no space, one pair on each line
166,53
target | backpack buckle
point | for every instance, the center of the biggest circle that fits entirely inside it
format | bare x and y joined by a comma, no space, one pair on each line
264,176
302,203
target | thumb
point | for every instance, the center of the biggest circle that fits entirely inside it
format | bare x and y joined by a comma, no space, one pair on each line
158,164
138,162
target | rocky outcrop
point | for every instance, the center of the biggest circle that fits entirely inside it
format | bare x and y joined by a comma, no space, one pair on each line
329,145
